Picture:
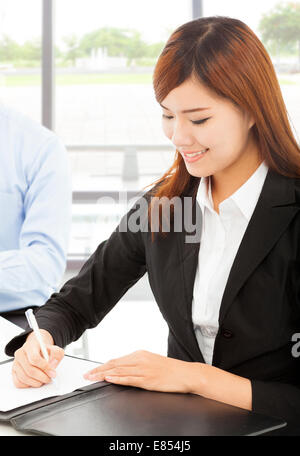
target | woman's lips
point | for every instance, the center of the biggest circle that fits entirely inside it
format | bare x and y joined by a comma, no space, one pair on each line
190,159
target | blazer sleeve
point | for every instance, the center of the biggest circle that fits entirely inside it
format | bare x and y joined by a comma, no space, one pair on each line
277,399
116,265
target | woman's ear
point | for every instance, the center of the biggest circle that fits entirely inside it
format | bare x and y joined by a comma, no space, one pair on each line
251,121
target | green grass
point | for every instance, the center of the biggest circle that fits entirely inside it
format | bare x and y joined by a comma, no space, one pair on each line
76,79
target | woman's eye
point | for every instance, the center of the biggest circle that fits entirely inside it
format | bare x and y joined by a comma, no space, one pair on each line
195,122
199,122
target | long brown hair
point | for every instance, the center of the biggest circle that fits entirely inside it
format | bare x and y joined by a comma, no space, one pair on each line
226,56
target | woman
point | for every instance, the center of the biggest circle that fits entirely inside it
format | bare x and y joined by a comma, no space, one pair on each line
232,306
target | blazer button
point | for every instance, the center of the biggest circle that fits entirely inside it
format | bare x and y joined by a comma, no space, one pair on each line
227,334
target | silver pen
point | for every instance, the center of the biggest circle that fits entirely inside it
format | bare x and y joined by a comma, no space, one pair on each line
33,325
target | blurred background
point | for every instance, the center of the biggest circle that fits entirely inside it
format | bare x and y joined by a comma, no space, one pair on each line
83,68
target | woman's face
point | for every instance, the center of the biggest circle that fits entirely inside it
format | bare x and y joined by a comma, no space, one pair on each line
221,128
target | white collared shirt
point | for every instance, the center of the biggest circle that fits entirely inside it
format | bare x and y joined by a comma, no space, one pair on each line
220,239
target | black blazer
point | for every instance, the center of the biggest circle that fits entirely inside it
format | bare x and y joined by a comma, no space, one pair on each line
260,309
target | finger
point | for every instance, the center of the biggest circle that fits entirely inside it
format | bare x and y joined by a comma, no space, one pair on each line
131,360
56,354
99,374
129,380
17,382
113,363
35,358
25,359
37,374
24,378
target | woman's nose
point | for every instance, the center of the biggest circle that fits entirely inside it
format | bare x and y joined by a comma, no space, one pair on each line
182,136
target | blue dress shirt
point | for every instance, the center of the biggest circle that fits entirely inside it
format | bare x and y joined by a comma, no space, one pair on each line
35,211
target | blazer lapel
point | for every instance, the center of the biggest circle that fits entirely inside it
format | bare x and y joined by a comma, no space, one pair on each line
188,245
273,213
189,260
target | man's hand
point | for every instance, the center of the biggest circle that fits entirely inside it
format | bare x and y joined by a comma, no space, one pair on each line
30,369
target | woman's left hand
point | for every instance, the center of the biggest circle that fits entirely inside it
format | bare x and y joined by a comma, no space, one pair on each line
146,370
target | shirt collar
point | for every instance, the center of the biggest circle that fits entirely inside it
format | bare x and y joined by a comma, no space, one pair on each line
245,197
204,196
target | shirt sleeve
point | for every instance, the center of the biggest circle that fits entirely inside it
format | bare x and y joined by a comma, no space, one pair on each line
41,258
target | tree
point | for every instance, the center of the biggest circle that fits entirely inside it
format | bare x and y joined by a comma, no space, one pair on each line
153,50
109,38
74,50
280,27
31,50
116,42
135,47
9,49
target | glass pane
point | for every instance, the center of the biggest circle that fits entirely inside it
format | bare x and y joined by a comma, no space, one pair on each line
106,52
92,224
285,53
105,105
20,56
104,108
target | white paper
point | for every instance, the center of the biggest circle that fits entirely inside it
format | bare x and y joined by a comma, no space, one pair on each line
7,332
69,377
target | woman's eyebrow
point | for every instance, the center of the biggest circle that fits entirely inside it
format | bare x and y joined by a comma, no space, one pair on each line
187,110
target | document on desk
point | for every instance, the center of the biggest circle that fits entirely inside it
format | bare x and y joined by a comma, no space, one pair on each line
7,332
69,378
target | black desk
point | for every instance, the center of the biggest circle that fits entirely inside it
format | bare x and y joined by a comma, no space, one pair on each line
113,410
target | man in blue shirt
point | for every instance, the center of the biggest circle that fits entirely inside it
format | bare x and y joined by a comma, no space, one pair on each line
35,211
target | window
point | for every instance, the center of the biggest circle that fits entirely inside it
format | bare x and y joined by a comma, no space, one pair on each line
282,45
106,114
20,56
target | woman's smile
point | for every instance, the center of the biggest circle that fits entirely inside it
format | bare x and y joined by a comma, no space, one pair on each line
191,157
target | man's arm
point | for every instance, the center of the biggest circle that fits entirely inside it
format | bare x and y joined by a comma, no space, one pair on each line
40,261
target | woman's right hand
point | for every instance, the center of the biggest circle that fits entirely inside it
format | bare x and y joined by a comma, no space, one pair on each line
30,369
